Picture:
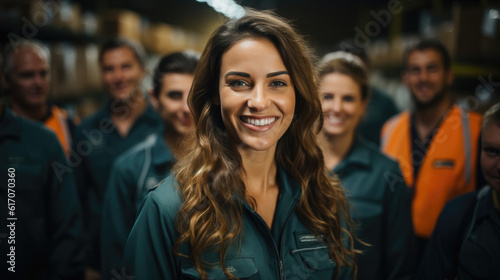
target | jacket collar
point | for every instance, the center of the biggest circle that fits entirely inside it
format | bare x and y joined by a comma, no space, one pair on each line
359,155
288,185
160,151
486,205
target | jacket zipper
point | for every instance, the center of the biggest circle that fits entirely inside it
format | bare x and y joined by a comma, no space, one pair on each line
270,235
282,272
276,251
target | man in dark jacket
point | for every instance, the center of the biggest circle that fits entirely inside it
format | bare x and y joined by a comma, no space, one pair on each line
42,225
466,241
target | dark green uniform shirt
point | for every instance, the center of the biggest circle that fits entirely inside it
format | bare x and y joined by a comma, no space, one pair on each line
133,174
288,251
41,232
96,145
380,204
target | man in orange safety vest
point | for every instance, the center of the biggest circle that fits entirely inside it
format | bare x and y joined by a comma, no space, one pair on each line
436,144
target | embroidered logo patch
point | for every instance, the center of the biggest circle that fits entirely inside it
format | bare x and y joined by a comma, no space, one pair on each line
308,238
443,163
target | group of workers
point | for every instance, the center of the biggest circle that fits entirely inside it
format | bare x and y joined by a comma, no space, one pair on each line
214,173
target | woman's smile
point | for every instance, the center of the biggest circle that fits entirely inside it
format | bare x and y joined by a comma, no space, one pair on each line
258,123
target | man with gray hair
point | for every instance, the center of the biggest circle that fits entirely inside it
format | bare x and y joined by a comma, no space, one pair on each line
26,78
42,234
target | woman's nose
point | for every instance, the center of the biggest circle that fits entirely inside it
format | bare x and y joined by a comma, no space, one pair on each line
258,99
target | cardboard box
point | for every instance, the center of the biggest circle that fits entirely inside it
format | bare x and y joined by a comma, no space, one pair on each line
465,36
157,38
466,33
65,78
162,38
123,23
91,72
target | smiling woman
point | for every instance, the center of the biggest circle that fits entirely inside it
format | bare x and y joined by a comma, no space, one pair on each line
252,198
381,203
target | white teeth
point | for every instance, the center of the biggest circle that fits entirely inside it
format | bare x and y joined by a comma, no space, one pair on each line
335,119
258,122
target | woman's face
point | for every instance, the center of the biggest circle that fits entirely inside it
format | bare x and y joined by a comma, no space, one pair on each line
256,94
341,103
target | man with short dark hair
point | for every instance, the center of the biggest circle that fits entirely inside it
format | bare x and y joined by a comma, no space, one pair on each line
436,145
125,120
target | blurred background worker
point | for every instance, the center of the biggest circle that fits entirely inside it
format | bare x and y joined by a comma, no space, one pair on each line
380,206
42,234
145,165
466,241
380,106
125,120
26,78
436,144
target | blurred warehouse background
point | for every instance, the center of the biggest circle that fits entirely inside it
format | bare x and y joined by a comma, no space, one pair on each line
73,30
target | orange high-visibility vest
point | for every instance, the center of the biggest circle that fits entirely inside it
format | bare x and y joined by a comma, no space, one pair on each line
449,165
58,123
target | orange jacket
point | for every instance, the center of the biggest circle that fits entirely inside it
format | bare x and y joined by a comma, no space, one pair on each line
57,122
449,165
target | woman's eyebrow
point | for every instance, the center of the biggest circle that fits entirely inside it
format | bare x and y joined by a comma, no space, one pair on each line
243,74
277,74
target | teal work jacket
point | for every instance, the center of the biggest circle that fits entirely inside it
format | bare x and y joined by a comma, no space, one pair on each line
96,145
133,174
288,251
381,205
41,234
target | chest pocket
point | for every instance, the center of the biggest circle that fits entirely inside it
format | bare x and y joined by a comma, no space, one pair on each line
242,268
314,256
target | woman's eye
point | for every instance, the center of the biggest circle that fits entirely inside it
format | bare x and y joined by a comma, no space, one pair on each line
238,83
349,98
327,96
278,84
491,152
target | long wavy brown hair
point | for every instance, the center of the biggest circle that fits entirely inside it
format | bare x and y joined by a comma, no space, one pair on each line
210,176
